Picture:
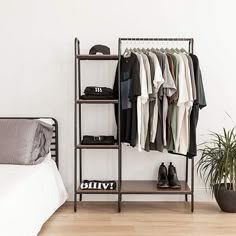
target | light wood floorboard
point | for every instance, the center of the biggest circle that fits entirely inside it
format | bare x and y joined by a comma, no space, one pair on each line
140,219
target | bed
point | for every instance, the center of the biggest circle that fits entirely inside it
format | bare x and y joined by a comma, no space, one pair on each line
30,194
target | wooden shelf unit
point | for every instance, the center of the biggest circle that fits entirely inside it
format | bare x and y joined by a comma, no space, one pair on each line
78,146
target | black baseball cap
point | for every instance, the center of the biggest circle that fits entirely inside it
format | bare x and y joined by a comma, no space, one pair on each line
99,48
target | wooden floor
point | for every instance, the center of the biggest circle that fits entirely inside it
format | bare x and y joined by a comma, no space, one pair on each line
164,219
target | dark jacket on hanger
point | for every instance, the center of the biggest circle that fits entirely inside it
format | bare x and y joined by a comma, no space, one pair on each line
130,89
199,103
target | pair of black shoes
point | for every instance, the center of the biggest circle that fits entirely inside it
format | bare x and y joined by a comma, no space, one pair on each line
168,180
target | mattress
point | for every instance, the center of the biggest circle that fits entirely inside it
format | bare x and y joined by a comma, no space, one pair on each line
29,195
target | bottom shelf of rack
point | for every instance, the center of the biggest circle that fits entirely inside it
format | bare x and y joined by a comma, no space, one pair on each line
150,187
139,187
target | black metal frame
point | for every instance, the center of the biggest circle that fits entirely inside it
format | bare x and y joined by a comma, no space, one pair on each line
190,49
77,120
54,144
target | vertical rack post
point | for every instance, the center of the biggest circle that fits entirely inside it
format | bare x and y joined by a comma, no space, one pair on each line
192,40
187,159
192,161
186,177
192,185
118,131
76,43
80,128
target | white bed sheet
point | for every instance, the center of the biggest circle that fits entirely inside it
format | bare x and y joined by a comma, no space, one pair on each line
29,195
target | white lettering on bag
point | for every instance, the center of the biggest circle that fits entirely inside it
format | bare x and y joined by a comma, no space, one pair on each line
84,185
90,185
98,90
105,186
112,185
99,185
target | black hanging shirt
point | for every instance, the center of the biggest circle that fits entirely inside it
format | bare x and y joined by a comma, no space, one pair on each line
130,90
199,103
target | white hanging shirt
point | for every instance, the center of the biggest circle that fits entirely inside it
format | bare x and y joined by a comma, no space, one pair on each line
169,89
145,107
143,99
157,82
185,131
181,137
184,105
188,80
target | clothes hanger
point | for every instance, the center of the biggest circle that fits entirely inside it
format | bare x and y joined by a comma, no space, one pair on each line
139,50
167,50
173,50
162,50
127,53
153,50
183,50
144,50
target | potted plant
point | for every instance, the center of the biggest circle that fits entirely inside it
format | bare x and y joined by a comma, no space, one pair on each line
217,166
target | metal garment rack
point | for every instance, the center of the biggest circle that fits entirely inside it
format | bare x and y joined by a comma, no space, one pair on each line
124,186
147,187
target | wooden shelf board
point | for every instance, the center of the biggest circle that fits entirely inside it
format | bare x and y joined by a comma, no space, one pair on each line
98,101
150,187
140,187
83,146
97,57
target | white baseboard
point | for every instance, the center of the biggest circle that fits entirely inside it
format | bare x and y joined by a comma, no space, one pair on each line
200,195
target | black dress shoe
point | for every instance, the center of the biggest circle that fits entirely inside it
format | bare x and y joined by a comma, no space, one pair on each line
172,177
162,181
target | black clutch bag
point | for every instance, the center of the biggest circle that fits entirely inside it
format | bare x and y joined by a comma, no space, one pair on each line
89,139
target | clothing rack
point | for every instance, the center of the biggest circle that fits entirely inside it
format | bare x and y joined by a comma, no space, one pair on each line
140,188
124,186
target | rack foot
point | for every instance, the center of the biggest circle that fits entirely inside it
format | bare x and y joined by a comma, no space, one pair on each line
119,203
186,197
192,203
75,203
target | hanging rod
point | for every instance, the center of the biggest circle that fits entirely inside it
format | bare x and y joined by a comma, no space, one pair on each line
156,39
189,40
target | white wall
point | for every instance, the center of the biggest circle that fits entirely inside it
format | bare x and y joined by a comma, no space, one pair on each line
36,68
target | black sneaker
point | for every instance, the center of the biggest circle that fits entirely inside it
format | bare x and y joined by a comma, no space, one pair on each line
162,181
173,178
